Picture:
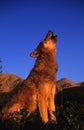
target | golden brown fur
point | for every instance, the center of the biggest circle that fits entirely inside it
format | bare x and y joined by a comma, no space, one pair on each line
39,88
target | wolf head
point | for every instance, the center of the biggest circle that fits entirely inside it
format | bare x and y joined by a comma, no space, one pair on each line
47,45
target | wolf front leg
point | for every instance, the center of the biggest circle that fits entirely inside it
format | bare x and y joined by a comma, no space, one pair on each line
42,104
51,104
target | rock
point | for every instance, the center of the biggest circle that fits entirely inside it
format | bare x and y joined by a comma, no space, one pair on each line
8,82
65,83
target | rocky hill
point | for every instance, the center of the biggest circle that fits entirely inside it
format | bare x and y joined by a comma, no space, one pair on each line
8,82
65,83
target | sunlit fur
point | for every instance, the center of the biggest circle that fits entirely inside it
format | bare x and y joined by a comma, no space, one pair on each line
39,88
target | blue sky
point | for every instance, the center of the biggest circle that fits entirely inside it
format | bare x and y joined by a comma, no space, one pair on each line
24,23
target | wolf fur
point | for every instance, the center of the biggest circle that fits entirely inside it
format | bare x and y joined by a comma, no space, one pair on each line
39,88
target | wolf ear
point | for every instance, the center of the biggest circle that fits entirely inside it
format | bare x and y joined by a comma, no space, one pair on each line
34,54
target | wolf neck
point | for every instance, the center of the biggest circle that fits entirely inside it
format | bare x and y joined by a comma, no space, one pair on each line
46,62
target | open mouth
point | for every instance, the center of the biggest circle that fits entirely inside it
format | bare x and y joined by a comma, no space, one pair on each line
50,35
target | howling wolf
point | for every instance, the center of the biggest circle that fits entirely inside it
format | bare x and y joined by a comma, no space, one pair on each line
39,88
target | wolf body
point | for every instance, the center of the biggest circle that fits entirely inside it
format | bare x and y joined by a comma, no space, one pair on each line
39,88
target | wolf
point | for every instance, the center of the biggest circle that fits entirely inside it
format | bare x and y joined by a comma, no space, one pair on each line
39,88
